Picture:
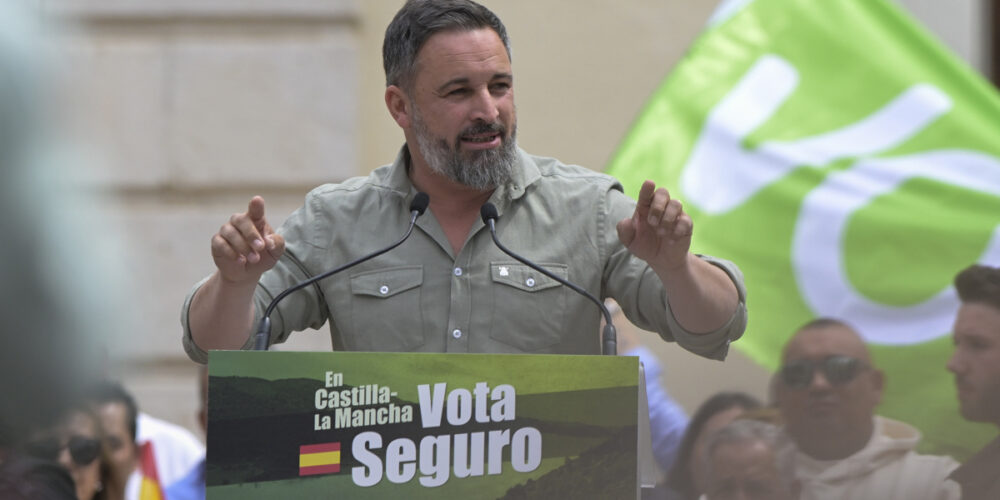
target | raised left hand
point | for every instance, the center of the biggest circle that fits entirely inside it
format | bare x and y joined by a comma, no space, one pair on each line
659,232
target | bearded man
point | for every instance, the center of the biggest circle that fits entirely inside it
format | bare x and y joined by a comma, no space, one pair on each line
448,288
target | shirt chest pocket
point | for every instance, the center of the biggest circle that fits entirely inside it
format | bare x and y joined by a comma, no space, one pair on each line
385,310
528,306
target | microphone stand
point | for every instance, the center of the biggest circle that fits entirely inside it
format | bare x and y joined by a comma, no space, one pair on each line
609,336
262,338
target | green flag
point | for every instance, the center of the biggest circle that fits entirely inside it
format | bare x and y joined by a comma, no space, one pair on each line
851,166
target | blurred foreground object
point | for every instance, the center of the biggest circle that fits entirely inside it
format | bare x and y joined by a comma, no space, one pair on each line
50,338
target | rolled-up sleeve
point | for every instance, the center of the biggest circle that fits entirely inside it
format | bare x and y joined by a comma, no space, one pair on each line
715,344
196,353
643,299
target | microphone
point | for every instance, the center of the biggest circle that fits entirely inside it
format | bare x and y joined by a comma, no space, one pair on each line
609,336
263,336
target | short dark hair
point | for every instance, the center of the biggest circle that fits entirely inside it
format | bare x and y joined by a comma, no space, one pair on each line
417,20
109,391
679,479
979,284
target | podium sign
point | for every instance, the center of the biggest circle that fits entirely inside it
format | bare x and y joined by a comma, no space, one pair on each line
414,425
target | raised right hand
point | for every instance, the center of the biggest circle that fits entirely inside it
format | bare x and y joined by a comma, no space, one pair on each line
246,246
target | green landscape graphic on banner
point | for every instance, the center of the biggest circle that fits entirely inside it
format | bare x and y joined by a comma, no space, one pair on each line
850,165
419,425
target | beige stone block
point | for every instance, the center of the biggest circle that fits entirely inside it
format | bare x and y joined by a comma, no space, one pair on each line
263,110
159,9
165,253
115,92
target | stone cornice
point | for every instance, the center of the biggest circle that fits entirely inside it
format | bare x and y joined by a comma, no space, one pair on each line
162,10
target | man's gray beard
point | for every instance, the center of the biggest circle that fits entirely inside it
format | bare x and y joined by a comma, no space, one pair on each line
484,170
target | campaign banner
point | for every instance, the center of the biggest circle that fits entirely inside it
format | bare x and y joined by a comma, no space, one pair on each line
849,164
418,425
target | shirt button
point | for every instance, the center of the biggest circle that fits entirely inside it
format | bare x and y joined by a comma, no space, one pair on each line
458,271
384,290
456,333
530,282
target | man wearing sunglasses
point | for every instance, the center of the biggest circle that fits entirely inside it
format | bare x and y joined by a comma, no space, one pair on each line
976,365
74,442
835,446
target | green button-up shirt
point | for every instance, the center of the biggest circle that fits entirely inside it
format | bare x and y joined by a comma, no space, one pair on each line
421,296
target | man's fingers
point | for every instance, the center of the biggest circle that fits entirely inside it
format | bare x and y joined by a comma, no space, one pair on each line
626,232
646,193
674,209
255,210
684,227
221,249
249,229
246,246
237,238
659,229
658,207
275,245
645,198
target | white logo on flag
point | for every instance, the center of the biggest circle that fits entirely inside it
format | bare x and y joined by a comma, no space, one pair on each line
721,175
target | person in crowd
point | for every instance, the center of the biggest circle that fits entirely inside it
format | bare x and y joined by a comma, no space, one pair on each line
976,366
77,443
449,288
175,452
688,479
742,464
827,390
118,413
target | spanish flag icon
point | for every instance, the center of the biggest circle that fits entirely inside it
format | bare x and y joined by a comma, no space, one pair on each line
323,458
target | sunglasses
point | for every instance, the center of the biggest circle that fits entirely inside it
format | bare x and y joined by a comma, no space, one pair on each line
83,450
837,370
